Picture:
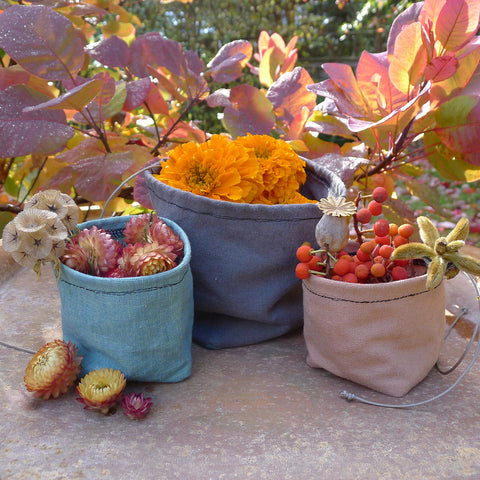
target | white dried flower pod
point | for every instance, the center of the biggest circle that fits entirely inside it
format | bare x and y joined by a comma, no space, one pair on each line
332,232
10,237
37,244
24,259
59,203
33,220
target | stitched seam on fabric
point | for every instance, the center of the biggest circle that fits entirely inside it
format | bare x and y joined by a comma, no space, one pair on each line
338,299
228,217
130,292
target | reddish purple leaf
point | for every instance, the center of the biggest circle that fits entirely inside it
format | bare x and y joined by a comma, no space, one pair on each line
140,190
289,95
441,68
12,76
112,52
227,65
250,112
22,133
137,93
42,41
155,50
97,177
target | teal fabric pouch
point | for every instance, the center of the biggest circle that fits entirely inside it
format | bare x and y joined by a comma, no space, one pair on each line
141,326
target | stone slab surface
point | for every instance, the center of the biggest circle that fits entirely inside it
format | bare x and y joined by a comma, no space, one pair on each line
256,412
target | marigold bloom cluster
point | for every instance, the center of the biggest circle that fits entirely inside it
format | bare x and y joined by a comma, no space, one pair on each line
252,169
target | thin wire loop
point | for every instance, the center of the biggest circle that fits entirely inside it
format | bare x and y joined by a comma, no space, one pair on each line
351,396
115,192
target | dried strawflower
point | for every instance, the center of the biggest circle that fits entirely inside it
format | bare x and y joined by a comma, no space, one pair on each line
146,259
332,230
148,228
136,406
53,369
99,390
442,252
92,251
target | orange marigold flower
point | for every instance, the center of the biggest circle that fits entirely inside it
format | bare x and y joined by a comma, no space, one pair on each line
220,169
283,171
100,389
53,369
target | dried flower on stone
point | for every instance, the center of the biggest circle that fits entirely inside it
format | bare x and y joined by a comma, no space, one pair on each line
136,406
100,390
441,252
332,230
60,203
92,251
53,369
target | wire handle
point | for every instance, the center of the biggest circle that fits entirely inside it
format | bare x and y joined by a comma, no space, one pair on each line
351,396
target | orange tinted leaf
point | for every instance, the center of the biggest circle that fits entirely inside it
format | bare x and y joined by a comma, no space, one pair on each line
409,60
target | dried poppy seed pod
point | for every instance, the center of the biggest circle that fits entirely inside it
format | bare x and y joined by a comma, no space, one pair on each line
332,231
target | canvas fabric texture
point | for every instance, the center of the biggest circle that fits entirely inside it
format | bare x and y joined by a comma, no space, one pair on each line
383,336
243,259
141,326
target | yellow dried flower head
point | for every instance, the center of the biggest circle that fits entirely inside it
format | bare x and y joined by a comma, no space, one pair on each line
218,169
337,207
53,369
100,389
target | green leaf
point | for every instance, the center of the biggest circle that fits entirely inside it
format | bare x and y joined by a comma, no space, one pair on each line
449,164
426,193
458,124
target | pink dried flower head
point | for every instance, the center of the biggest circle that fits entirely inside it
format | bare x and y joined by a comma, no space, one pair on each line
161,233
136,406
148,228
100,389
100,249
76,257
146,259
136,230
53,369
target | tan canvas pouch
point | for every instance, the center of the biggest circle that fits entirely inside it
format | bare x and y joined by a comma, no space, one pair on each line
385,336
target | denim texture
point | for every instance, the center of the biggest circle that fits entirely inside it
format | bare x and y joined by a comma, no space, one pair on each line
243,259
141,326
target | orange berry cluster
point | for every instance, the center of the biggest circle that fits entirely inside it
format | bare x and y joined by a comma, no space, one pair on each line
370,263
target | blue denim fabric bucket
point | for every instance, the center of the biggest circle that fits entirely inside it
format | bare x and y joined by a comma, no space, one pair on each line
141,326
244,260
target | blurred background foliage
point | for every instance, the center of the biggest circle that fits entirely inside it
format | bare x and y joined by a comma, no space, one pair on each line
327,30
